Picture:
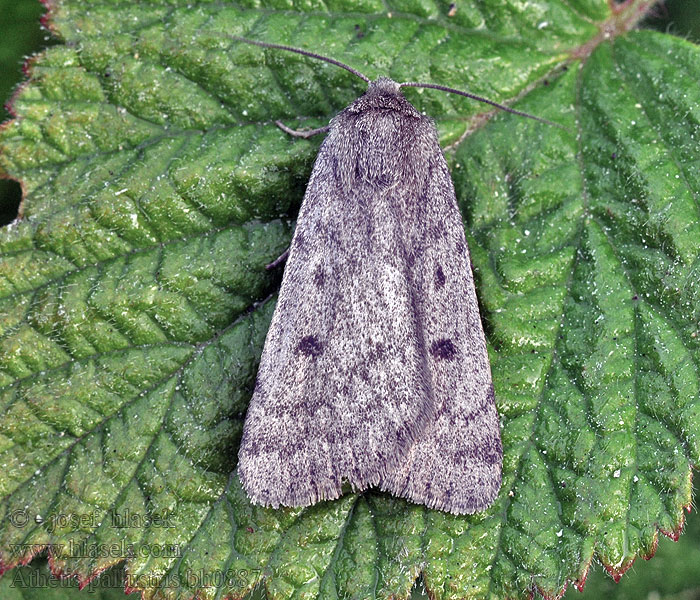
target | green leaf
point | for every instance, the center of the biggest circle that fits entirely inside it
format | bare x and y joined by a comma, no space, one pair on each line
134,299
587,256
672,575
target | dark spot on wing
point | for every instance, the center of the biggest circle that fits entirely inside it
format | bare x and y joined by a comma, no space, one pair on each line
439,277
319,276
410,258
299,239
443,349
376,353
310,346
364,373
461,248
335,168
359,171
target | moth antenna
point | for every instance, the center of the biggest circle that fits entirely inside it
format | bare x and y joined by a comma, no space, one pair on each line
480,99
332,61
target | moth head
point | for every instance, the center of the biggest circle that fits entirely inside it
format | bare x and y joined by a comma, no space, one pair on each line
383,86
383,94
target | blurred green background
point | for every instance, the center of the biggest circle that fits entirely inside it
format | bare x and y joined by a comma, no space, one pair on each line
674,573
20,36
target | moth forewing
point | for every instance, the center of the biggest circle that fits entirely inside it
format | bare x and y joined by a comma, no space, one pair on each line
374,370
